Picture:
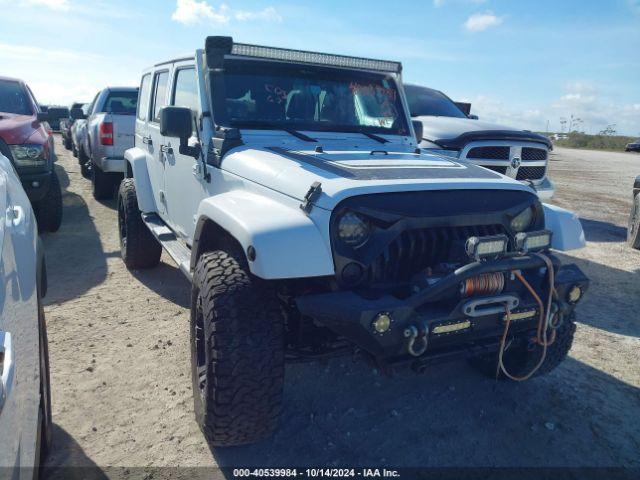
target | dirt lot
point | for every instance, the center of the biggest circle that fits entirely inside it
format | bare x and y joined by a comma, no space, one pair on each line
122,389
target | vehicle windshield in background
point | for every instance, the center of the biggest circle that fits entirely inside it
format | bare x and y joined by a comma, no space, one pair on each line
55,112
13,98
123,103
425,101
271,96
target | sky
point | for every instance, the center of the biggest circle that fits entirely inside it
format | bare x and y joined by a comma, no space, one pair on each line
525,64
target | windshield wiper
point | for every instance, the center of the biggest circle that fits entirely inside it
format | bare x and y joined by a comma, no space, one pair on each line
299,135
375,137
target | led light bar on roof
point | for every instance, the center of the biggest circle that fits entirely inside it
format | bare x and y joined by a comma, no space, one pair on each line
300,56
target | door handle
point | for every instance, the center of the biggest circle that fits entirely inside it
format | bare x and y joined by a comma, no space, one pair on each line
166,149
147,141
7,367
15,216
196,169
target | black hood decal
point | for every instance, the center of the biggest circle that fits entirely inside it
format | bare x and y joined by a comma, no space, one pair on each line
469,171
458,143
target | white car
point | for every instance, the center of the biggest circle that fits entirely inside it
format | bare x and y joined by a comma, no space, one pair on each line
288,186
25,398
449,130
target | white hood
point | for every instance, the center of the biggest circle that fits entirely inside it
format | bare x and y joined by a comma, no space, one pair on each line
435,128
291,170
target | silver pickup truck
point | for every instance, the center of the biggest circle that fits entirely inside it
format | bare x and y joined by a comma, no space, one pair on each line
110,126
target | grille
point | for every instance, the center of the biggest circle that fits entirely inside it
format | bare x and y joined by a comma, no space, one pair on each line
529,153
495,168
530,173
489,153
415,250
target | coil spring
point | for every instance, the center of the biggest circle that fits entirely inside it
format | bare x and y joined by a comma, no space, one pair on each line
485,284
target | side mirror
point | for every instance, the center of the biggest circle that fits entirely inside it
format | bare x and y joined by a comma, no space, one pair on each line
178,122
473,117
77,114
417,128
43,116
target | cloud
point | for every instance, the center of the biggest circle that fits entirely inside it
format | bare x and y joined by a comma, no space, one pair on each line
191,12
62,5
479,22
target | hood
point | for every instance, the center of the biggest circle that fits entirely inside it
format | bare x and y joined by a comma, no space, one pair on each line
344,173
17,129
450,132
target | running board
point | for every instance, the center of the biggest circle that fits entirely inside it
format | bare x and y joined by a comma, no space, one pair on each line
177,250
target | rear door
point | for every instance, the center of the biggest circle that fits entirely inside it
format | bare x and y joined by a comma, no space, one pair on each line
156,157
183,173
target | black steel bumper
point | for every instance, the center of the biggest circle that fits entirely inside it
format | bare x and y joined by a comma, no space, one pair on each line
351,314
36,184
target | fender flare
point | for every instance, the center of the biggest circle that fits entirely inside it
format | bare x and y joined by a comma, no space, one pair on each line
137,160
566,228
636,186
287,243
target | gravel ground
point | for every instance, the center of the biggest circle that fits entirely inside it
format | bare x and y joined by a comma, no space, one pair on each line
121,378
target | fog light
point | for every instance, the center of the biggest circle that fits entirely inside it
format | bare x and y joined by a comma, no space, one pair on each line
451,327
574,294
485,247
533,241
382,323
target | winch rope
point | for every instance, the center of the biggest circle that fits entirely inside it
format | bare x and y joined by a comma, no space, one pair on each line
544,321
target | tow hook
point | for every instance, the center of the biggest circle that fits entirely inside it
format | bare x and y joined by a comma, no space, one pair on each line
417,339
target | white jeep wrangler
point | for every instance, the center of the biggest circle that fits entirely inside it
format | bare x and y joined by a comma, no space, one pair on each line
288,186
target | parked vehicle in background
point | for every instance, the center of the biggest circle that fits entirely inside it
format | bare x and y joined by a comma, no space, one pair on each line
25,394
110,126
289,188
55,114
78,134
447,130
633,146
65,127
26,142
633,231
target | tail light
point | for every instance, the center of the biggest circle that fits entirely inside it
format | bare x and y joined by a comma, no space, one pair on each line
106,133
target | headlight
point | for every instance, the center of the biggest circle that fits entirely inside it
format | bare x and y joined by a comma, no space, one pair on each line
442,152
353,230
523,220
28,155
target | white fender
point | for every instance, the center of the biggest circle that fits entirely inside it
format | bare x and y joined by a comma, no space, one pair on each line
566,228
287,242
137,158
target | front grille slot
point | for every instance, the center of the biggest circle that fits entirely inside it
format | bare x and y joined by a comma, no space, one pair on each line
531,154
530,173
495,168
489,153
416,250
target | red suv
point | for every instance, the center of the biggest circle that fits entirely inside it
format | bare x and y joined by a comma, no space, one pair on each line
25,141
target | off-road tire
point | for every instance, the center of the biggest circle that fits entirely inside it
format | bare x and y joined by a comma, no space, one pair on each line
633,231
522,357
74,150
48,210
138,247
102,183
237,350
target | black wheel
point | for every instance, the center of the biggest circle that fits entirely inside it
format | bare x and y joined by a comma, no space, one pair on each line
45,422
237,350
102,183
67,143
74,150
49,210
138,246
633,231
522,356
82,156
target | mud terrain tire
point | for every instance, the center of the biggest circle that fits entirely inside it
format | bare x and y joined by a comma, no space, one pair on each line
633,231
237,350
48,211
138,246
520,358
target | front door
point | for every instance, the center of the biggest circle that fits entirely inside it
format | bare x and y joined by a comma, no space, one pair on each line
156,154
184,174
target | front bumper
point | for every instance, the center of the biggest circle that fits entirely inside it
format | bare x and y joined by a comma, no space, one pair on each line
351,315
36,185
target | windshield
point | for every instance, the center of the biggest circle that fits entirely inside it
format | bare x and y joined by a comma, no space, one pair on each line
274,95
14,99
425,101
